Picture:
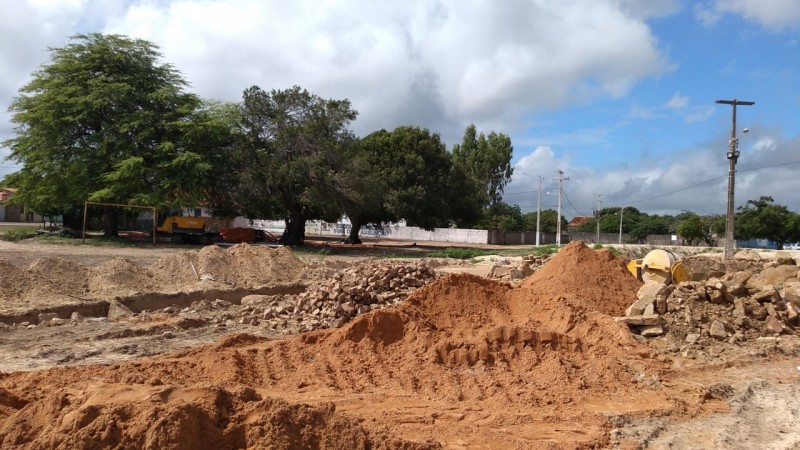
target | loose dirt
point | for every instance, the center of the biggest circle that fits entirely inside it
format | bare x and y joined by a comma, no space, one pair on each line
463,362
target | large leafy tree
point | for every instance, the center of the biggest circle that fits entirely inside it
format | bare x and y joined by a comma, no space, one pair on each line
407,174
488,160
763,219
503,217
293,157
106,121
548,221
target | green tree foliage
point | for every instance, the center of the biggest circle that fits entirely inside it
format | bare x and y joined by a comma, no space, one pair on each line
502,217
763,219
488,160
548,219
292,158
105,121
692,229
695,229
407,174
636,224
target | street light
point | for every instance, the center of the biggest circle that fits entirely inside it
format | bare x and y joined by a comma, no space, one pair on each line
733,156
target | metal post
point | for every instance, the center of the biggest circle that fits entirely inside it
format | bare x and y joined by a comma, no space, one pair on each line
561,180
733,155
538,209
597,218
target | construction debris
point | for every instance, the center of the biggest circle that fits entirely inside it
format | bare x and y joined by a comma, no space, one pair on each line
739,299
504,269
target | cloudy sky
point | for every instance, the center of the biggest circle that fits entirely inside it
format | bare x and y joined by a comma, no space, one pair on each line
618,94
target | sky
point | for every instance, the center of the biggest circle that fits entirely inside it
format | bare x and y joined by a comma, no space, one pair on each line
619,95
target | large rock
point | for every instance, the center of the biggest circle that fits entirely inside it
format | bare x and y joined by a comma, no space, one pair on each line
652,319
735,283
717,330
775,325
772,276
117,310
646,296
747,254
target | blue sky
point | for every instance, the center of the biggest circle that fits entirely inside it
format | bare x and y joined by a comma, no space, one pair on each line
619,94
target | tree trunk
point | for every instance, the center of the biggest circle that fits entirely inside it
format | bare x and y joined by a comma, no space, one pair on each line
110,222
73,218
355,228
295,229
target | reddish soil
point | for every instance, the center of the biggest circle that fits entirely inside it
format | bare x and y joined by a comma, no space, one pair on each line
464,362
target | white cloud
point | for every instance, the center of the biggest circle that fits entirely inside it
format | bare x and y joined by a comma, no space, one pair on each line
776,14
677,101
442,64
772,14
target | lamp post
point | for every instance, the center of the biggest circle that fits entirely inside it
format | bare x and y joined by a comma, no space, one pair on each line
733,155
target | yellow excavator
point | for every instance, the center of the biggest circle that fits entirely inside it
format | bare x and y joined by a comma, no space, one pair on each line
659,265
189,229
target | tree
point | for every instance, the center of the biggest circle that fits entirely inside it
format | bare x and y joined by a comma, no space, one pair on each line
488,160
763,219
105,121
502,217
409,175
292,157
692,229
548,219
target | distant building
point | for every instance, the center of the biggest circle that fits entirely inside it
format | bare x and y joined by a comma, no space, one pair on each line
15,213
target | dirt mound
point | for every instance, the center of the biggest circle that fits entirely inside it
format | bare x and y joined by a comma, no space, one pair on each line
461,338
119,276
242,265
165,417
585,279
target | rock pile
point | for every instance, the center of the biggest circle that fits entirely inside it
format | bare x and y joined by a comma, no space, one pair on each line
504,270
333,302
733,307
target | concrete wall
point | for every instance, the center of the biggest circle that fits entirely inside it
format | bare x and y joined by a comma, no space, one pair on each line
438,234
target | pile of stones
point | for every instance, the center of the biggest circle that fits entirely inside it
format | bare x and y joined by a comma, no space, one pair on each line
759,303
335,301
506,271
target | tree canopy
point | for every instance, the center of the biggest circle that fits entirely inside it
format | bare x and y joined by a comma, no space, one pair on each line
487,159
763,219
409,175
105,121
291,158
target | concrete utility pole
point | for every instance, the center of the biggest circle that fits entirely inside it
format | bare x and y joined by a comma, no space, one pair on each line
561,180
733,155
621,210
597,217
538,209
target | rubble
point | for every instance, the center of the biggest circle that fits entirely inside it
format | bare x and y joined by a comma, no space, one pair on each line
736,300
504,270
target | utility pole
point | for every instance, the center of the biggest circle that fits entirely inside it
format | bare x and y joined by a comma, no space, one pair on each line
597,218
561,180
621,209
733,155
538,209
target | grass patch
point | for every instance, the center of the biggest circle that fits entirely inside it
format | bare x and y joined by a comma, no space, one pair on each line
15,234
459,253
544,250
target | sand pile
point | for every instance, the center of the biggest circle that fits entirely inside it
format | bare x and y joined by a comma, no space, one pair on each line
51,281
100,415
461,338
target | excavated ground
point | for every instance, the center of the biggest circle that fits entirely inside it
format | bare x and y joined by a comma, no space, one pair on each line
176,352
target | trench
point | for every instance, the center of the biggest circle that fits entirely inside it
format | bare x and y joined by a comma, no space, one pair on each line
151,301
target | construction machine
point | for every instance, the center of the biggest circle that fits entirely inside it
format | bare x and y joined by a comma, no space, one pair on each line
189,229
659,265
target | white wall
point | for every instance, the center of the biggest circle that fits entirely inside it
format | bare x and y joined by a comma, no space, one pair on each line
438,234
